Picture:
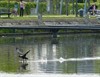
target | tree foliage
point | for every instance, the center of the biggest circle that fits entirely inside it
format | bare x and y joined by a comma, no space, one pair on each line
43,6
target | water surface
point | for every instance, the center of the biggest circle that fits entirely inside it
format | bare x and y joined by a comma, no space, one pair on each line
66,54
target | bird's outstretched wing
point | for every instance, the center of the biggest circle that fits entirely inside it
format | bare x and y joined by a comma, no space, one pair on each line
26,53
19,51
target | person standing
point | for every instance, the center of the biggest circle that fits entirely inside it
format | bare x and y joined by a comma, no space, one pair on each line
22,7
16,8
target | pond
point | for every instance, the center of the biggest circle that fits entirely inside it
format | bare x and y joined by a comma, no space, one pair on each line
66,54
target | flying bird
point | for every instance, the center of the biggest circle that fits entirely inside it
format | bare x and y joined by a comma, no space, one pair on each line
22,55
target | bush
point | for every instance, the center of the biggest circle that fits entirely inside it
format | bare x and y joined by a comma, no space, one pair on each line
29,5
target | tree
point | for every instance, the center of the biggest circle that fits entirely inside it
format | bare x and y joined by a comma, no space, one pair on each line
61,4
76,8
67,2
57,6
73,5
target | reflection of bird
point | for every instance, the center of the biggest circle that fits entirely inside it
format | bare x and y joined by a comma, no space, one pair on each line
24,66
21,55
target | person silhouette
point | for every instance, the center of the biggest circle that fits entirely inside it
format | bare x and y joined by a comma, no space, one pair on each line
22,7
16,8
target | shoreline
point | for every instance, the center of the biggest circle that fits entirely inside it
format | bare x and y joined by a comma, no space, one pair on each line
30,22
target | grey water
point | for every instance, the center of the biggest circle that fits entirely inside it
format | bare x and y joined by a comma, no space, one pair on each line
66,54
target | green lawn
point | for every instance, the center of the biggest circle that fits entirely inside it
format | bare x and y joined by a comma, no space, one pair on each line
45,17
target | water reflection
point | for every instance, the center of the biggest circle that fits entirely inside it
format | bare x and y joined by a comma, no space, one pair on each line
73,53
23,66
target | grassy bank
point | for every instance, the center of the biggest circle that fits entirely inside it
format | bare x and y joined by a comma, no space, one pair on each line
44,17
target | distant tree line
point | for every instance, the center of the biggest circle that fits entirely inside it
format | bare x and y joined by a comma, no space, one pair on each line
79,1
51,6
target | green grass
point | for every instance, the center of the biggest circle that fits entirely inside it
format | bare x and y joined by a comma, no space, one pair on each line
45,17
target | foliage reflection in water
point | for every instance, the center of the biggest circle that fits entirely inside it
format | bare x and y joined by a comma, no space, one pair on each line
73,53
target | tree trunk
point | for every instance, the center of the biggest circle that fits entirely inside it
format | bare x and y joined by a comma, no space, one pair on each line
61,4
76,8
51,6
67,5
73,6
85,8
57,6
88,2
37,7
48,6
